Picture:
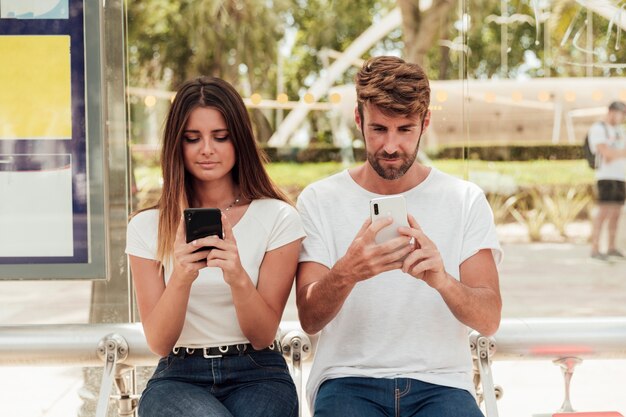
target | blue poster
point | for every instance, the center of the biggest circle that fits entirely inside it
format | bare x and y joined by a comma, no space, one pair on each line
44,181
34,9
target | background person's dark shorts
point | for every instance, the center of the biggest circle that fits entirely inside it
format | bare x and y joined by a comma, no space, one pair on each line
611,191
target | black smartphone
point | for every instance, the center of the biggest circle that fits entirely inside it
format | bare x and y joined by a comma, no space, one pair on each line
202,222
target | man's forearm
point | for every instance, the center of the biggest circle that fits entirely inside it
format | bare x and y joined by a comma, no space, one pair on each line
321,300
478,308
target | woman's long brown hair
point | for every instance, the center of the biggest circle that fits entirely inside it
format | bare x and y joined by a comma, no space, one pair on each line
248,172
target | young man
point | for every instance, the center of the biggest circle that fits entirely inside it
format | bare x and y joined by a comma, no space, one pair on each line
608,143
394,317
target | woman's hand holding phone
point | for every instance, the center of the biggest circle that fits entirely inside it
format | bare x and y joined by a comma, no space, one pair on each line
225,255
188,260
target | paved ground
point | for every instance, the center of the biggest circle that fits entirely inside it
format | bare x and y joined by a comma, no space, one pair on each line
541,279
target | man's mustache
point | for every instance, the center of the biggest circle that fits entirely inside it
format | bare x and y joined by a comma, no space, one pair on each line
389,155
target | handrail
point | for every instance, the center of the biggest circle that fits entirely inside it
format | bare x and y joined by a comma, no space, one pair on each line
69,344
517,339
551,338
121,346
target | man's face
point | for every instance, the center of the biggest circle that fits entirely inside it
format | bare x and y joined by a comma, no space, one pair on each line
617,117
391,142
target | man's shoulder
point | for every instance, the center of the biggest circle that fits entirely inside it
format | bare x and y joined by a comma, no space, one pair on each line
444,181
598,128
332,183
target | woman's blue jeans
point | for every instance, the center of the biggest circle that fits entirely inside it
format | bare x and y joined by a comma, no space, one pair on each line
400,397
256,384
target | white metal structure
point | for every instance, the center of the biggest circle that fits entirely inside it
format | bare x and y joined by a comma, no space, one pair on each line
118,348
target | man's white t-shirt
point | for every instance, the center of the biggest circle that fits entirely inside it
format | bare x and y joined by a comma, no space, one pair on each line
211,318
616,169
393,325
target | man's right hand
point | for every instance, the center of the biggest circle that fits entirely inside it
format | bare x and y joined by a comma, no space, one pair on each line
321,292
365,258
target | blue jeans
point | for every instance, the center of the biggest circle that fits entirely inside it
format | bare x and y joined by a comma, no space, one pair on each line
400,397
257,384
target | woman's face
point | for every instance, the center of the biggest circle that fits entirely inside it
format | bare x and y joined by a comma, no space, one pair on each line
208,151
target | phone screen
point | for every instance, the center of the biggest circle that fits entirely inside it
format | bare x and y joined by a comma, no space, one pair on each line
202,222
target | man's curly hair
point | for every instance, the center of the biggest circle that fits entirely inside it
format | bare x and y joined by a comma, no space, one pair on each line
393,85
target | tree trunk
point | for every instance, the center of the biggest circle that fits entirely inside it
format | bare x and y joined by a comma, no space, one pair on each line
421,28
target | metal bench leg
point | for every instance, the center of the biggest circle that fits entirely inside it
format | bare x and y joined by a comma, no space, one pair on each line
567,366
296,345
483,349
112,349
127,401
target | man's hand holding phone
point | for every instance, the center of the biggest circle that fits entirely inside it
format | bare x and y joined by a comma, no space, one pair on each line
425,261
366,258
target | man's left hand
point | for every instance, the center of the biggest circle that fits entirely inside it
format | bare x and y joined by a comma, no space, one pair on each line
424,262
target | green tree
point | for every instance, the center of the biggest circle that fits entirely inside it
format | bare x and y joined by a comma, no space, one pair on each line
173,40
421,28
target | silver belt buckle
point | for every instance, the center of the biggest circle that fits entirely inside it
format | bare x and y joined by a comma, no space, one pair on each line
205,354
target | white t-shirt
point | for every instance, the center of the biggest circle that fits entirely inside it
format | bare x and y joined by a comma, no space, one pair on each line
211,318
393,325
616,169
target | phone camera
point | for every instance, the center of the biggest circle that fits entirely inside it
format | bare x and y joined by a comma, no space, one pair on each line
375,209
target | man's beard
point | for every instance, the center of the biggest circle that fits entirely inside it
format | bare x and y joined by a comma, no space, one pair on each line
391,173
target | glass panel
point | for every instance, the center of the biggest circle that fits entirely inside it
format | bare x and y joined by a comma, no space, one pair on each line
63,291
540,74
51,142
516,84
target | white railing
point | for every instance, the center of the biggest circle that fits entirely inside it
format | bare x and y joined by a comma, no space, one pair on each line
118,348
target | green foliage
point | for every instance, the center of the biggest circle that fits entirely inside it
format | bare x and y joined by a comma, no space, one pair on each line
560,57
525,173
328,24
173,40
527,209
300,175
510,152
565,204
501,206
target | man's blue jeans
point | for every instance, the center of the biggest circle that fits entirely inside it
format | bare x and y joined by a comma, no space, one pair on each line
257,384
400,397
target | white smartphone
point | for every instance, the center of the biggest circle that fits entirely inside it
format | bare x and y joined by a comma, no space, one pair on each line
393,206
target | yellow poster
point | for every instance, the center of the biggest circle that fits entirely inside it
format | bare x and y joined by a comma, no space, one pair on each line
35,87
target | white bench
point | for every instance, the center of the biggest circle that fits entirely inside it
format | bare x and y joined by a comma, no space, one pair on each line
118,348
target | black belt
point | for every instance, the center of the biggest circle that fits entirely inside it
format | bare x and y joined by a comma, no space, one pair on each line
219,351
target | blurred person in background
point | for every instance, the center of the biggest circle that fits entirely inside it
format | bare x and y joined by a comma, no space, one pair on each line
608,142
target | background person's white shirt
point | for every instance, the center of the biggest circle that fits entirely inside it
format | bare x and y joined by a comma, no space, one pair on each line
616,169
393,325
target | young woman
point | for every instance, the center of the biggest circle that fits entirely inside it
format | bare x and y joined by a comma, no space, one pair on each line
213,315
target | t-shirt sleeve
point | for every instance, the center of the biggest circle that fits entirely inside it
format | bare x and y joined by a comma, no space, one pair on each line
314,246
141,236
597,136
480,230
287,227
